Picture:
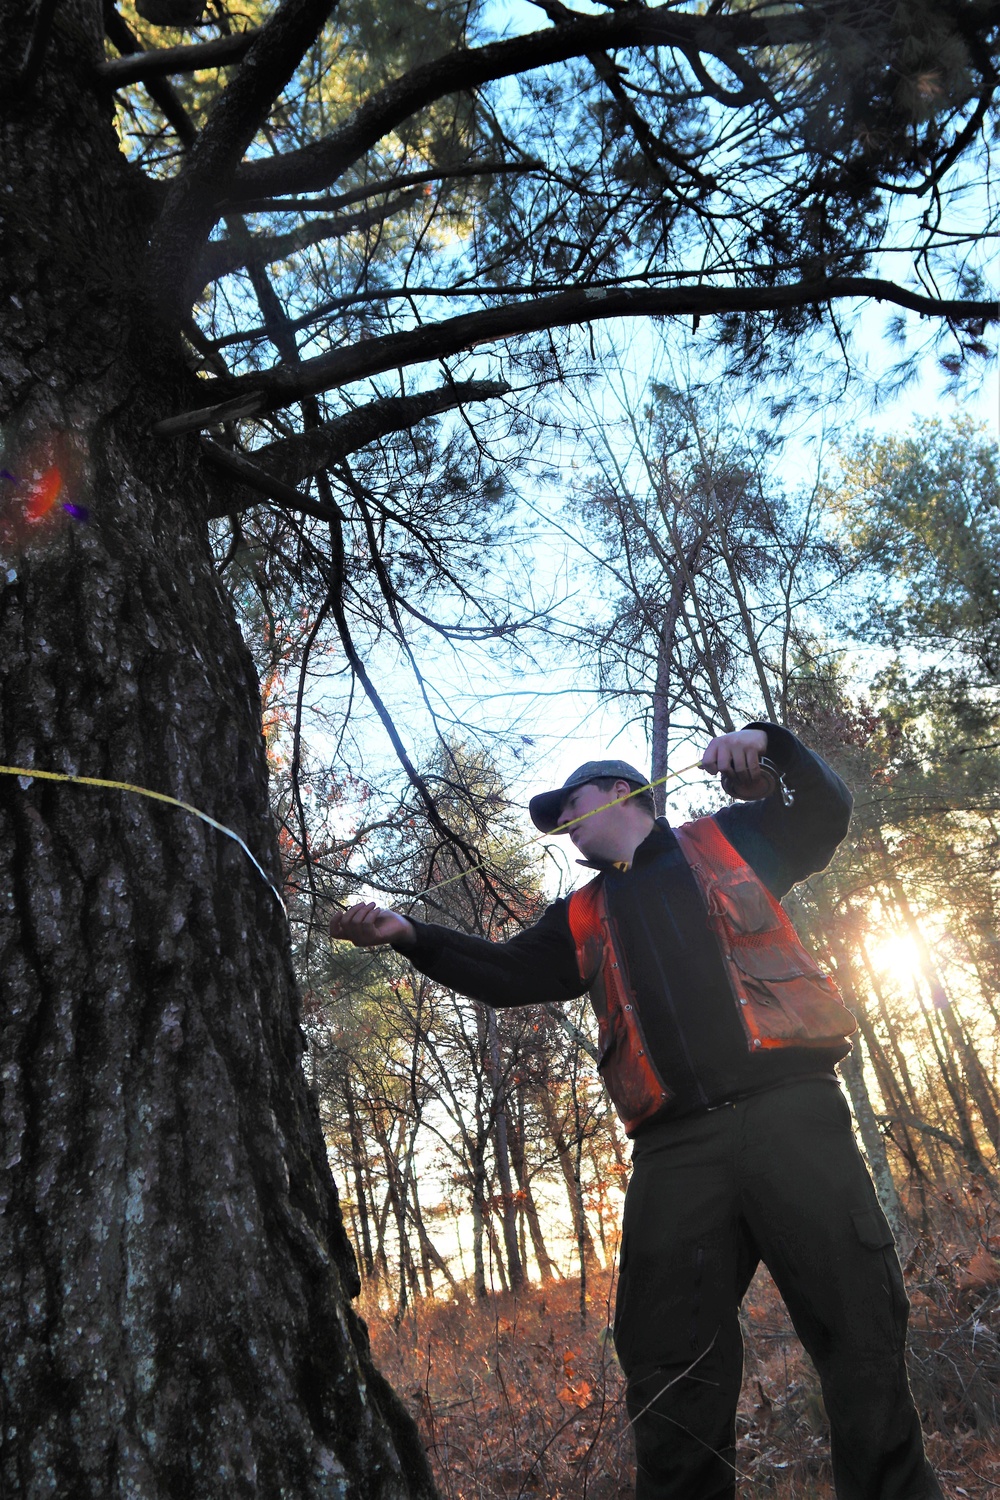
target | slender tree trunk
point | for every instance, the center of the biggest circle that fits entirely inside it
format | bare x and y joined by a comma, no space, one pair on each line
397,1193
479,1216
953,1084
358,1164
892,1031
581,1228
496,1253
974,1074
422,1241
546,1266
381,1224
515,1269
665,644
430,1255
896,1107
175,1278
852,1067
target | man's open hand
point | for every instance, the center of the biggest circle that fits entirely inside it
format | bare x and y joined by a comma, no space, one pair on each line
736,758
366,925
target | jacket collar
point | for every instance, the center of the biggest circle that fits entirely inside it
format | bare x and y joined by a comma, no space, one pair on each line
660,838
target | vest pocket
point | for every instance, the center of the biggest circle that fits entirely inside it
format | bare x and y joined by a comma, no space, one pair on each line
742,905
629,1077
791,1002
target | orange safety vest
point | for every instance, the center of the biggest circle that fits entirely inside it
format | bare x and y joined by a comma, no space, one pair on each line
782,996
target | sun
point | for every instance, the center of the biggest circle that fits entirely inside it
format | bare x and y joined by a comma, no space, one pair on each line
896,957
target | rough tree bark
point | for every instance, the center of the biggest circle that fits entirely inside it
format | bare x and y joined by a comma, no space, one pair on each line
175,1279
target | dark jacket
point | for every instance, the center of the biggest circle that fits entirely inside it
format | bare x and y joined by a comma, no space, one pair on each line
676,970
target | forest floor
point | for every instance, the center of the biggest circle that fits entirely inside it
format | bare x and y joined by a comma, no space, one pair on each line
516,1398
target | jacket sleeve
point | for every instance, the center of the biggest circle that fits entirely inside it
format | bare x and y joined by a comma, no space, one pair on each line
531,968
785,844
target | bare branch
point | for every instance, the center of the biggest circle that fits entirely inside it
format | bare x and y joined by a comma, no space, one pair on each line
309,452
160,90
222,257
275,388
392,185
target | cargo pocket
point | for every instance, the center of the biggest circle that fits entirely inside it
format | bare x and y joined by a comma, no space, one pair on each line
874,1234
873,1229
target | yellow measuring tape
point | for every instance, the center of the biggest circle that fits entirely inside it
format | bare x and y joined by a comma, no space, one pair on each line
647,786
27,774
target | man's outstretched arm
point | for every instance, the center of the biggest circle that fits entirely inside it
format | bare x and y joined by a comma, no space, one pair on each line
534,967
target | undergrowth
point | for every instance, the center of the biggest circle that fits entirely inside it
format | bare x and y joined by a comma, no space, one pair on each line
515,1398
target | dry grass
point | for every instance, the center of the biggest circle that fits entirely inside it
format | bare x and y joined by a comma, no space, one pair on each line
515,1399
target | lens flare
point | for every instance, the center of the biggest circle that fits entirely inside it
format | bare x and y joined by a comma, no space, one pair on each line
33,499
44,494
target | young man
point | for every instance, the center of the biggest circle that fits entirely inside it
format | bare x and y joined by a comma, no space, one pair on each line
718,1038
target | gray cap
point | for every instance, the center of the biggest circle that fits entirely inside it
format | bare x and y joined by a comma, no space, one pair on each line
544,809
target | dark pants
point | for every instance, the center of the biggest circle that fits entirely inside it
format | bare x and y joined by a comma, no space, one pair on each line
776,1177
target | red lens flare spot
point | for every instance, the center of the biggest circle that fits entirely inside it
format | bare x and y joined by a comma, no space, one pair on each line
44,494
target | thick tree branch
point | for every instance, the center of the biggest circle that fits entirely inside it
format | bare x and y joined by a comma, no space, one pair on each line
316,166
275,388
191,205
408,293
308,452
260,482
160,90
275,469
166,60
393,185
655,150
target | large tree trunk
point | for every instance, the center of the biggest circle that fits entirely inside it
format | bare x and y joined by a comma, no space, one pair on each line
174,1273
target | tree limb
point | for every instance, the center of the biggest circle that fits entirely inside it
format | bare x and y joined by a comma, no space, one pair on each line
160,90
222,257
273,389
140,66
392,185
315,166
274,470
453,838
191,205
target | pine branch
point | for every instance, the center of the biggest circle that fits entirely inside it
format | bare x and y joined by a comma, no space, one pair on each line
269,391
316,166
160,90
162,61
222,257
191,205
393,184
274,470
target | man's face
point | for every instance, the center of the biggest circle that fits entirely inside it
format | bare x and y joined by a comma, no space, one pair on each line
600,835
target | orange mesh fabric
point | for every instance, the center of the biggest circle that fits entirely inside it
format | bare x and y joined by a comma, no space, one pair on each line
784,998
